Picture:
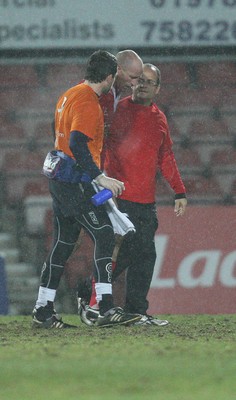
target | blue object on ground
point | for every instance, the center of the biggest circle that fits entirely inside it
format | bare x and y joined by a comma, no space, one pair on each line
3,289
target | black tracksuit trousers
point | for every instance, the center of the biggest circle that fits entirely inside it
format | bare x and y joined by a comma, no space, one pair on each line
137,254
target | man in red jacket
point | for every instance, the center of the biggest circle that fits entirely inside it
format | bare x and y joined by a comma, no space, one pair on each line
138,146
130,67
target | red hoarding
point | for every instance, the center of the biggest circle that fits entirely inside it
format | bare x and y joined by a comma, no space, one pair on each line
195,271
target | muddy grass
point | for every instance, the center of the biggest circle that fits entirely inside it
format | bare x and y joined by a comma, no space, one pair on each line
193,358
191,327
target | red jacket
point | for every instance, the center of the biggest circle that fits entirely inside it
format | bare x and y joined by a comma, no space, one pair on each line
138,145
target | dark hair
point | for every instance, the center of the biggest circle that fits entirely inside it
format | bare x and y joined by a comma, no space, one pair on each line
100,64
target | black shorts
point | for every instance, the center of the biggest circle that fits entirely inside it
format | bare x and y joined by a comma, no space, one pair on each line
74,200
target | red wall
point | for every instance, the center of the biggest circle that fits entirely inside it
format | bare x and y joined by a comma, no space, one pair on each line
195,271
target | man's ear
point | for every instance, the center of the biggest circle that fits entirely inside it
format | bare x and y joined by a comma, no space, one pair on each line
109,78
158,89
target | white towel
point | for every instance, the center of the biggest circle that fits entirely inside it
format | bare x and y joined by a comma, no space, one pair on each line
120,221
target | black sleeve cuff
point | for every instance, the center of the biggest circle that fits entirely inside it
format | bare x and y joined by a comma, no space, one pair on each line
180,196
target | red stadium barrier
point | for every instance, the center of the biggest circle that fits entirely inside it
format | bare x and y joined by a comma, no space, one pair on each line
195,271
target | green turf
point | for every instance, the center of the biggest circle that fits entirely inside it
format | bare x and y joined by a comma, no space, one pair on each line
191,359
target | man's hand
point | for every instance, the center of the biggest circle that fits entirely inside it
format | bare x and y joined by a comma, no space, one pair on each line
180,207
114,185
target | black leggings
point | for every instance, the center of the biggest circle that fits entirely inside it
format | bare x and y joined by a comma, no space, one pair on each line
72,211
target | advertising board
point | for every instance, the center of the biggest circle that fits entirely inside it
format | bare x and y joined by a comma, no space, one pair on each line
195,271
47,24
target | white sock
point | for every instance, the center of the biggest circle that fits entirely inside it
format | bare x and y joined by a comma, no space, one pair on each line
45,295
102,288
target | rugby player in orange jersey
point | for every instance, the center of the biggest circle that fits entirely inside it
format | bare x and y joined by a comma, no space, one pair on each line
79,128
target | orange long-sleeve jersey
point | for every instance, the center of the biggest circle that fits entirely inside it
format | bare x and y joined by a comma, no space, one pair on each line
78,109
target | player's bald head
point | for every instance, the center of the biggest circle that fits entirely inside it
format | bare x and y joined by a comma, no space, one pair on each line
128,58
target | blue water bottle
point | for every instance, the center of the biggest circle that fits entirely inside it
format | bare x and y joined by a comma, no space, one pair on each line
101,197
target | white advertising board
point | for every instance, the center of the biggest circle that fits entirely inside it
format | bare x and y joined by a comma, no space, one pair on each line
50,24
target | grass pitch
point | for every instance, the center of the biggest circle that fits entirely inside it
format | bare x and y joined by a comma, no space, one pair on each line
191,359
